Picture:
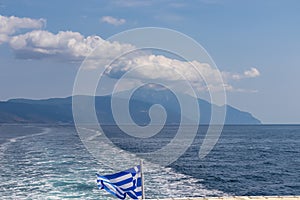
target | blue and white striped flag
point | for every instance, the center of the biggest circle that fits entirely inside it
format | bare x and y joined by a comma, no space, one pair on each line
123,183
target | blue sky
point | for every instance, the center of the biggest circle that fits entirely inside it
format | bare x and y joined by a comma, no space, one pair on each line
239,35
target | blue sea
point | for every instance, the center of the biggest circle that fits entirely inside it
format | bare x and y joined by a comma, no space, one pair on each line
50,162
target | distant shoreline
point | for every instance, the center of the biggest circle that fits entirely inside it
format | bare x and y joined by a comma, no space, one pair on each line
72,124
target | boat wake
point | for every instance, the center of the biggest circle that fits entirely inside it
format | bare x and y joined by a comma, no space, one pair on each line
53,164
4,146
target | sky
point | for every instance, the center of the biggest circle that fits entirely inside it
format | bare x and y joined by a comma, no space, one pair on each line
255,45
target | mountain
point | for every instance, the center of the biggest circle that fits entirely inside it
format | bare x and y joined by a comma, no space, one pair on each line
59,110
170,102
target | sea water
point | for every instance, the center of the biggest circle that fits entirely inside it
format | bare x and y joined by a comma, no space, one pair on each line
50,162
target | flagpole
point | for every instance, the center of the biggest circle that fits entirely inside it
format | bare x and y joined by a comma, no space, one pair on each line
142,179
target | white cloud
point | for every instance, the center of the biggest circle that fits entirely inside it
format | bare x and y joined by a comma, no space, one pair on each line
252,73
3,38
112,20
65,45
10,25
158,68
73,46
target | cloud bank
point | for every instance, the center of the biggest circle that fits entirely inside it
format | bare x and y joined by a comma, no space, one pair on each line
154,68
158,68
73,46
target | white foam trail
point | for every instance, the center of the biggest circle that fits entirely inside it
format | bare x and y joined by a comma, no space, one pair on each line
165,182
97,133
12,140
160,182
5,145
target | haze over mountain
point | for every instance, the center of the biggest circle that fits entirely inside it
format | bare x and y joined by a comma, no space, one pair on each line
59,110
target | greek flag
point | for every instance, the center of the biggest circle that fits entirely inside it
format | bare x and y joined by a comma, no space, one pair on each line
123,183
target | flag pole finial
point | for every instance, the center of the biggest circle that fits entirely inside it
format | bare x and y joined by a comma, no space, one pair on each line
142,178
